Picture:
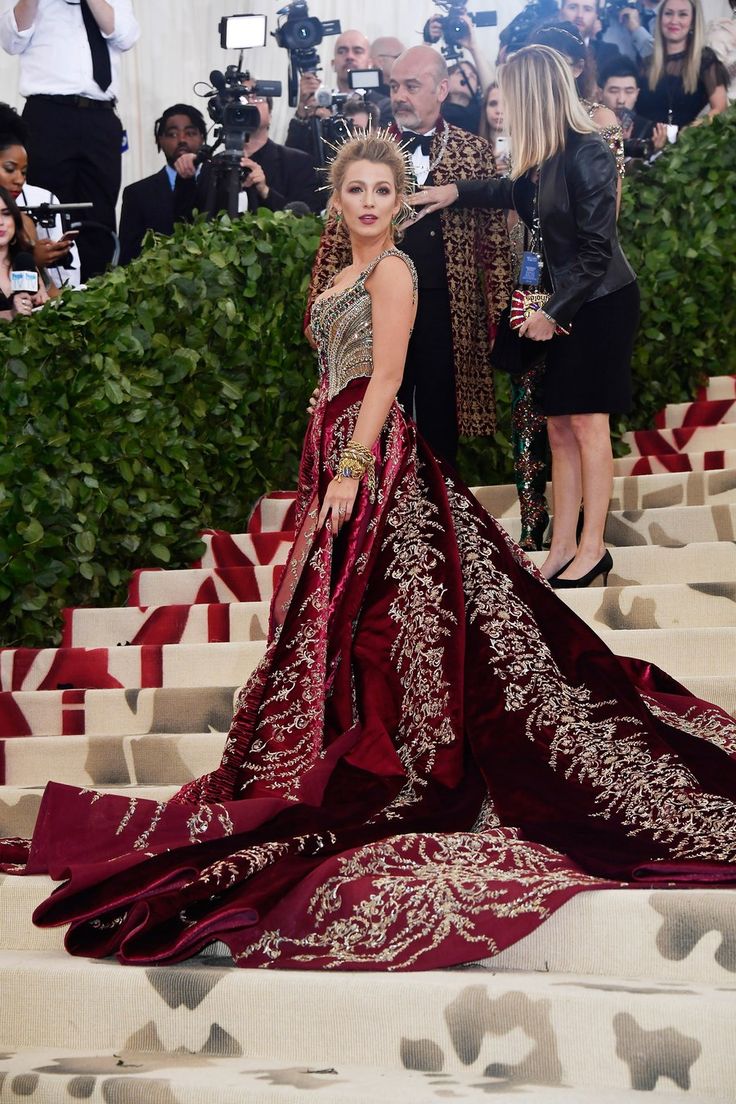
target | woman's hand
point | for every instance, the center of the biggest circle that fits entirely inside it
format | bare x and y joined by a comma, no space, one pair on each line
47,253
337,506
22,303
433,198
537,328
313,402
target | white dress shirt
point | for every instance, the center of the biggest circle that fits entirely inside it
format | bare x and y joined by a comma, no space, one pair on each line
421,162
31,196
55,57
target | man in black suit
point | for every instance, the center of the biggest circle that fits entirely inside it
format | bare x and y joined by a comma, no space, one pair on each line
158,201
585,15
275,175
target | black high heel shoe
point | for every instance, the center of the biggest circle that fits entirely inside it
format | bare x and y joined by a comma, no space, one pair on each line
603,568
560,570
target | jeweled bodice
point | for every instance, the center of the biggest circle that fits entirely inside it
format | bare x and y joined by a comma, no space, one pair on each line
342,327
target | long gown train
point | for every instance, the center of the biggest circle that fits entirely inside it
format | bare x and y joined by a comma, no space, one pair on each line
432,757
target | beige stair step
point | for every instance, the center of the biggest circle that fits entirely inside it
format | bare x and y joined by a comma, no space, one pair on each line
103,761
530,1028
654,565
19,804
42,1075
683,653
167,665
668,527
698,439
667,935
671,606
230,621
118,712
684,462
633,492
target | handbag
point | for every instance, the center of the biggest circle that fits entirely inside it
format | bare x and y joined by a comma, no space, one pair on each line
511,353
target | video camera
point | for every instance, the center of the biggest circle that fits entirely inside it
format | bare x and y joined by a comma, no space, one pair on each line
236,119
454,29
515,34
300,34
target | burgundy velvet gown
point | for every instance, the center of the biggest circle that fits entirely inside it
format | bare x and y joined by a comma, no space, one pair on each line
433,756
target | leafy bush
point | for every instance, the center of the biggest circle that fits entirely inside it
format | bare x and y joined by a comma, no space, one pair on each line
164,399
678,228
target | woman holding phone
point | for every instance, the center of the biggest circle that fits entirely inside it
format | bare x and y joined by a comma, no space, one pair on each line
54,251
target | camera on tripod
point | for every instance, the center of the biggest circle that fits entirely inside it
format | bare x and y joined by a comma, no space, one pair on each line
300,34
235,117
228,106
454,29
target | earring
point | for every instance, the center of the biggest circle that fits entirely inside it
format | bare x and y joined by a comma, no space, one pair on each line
338,216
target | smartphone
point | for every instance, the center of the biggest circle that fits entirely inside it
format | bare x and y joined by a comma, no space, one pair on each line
502,147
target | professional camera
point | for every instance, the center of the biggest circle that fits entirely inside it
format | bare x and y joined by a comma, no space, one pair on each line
300,34
236,120
516,33
454,29
611,10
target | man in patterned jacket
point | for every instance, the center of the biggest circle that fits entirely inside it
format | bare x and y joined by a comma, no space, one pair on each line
462,260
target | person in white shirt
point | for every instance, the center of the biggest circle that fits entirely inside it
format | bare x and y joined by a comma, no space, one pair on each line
69,59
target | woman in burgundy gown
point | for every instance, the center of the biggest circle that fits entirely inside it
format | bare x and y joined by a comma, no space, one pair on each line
434,753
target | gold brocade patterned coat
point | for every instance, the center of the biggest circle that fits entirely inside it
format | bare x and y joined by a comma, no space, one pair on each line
478,259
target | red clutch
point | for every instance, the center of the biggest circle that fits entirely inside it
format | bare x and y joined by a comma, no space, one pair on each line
524,303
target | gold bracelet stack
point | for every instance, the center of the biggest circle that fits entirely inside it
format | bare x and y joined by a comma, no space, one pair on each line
355,462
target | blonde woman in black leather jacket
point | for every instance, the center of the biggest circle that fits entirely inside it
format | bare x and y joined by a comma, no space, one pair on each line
560,157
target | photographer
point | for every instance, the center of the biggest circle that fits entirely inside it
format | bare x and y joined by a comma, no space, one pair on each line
626,31
272,175
352,51
433,32
620,91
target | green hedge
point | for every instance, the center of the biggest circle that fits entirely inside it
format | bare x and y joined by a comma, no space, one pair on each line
171,394
164,399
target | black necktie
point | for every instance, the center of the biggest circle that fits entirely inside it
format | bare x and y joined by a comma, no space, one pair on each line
101,68
185,196
412,141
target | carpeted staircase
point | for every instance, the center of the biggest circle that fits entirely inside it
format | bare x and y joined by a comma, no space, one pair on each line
618,994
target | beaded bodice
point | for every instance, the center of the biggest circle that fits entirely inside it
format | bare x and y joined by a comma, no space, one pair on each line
342,327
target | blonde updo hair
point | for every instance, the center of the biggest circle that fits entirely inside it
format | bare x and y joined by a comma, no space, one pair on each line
379,150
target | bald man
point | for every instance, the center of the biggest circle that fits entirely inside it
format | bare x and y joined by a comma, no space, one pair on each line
463,264
352,51
384,52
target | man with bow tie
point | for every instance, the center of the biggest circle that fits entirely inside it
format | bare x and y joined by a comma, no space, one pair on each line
69,59
463,264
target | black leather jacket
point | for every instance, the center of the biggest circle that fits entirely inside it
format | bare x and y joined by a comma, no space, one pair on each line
577,213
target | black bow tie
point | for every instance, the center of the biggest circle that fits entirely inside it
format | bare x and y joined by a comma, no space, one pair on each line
412,141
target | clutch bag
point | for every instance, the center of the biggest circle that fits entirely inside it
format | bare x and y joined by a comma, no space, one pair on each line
524,302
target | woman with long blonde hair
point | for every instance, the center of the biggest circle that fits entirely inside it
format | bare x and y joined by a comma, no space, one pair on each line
685,76
565,176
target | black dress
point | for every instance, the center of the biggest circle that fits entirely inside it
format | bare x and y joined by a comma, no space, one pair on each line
669,102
